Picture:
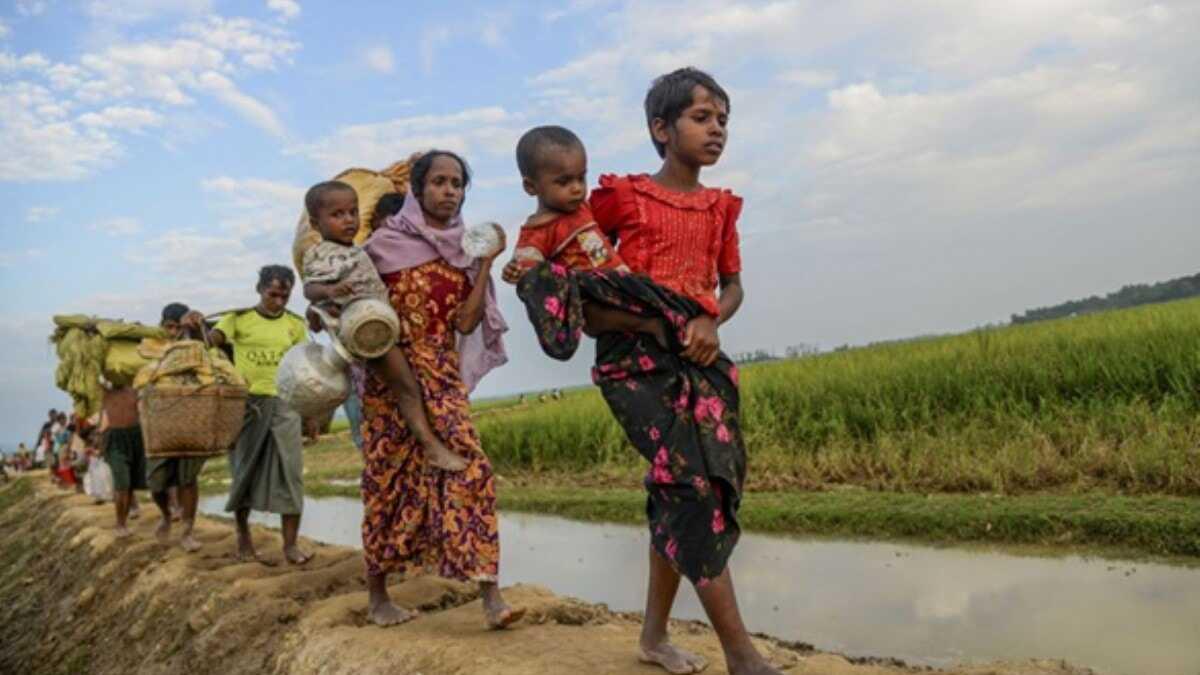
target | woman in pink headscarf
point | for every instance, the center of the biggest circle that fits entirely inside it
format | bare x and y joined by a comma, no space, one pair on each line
414,514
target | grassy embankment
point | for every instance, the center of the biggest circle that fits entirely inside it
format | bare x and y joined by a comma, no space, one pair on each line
1082,430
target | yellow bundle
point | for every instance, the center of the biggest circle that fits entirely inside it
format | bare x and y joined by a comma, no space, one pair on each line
121,330
74,321
89,347
370,186
81,358
122,362
188,363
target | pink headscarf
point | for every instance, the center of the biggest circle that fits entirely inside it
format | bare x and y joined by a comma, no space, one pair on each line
405,241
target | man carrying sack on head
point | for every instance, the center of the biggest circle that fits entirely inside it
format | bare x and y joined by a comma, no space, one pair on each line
123,449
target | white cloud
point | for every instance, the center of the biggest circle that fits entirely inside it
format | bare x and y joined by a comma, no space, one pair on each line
574,7
597,64
259,46
166,70
287,9
5,31
253,207
122,117
493,25
32,7
137,11
128,86
10,259
214,269
210,272
978,147
186,256
38,214
379,58
255,111
121,226
37,142
492,130
27,62
814,79
431,40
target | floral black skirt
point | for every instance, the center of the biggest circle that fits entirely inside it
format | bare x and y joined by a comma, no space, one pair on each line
681,417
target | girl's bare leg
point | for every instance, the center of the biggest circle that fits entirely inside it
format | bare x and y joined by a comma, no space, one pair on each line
655,644
720,604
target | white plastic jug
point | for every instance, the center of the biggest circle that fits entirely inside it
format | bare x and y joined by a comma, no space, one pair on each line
313,379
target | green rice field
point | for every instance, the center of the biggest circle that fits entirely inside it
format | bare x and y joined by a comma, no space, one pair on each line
1106,402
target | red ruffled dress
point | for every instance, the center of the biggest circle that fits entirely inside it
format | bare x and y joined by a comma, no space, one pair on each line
684,241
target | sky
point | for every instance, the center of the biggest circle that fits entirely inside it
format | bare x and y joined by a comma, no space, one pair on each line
908,168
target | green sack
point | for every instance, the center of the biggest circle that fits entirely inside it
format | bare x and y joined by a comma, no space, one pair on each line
122,362
116,330
74,321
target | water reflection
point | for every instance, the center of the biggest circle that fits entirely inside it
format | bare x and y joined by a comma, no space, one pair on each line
924,605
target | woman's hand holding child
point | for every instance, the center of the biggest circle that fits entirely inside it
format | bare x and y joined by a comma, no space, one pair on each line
701,342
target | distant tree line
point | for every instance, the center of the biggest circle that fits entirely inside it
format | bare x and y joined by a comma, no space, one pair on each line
754,357
1129,296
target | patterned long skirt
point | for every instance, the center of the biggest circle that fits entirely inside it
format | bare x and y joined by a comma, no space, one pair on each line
417,517
679,416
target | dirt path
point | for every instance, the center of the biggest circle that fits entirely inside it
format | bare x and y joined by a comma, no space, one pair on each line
74,599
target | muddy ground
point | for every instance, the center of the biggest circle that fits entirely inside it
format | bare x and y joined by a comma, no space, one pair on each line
73,599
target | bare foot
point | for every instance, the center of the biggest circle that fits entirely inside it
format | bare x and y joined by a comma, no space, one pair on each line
295,556
188,542
253,557
163,531
497,612
246,552
672,659
121,532
134,514
757,667
388,614
441,457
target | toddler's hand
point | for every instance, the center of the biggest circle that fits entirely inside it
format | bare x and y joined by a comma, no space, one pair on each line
512,272
701,343
314,321
342,288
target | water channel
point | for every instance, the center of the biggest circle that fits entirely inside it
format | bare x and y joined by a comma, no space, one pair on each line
924,605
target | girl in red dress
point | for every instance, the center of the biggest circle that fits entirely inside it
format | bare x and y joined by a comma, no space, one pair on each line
676,398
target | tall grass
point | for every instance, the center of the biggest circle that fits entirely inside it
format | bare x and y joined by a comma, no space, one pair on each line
1108,401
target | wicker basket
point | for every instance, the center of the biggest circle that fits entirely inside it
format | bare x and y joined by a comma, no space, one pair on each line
191,421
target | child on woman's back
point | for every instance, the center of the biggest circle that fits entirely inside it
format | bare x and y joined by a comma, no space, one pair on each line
337,273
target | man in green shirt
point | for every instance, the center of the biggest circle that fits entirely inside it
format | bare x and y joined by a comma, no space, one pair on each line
267,464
